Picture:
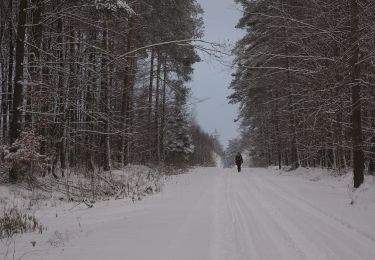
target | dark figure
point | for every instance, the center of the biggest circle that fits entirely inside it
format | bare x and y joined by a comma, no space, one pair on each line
239,161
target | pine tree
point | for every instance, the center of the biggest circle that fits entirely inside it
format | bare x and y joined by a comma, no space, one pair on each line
178,143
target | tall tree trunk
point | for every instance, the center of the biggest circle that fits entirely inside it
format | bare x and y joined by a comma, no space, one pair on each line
90,106
157,109
108,106
106,88
15,124
293,148
33,93
164,98
62,97
70,67
124,107
357,139
150,90
7,106
2,69
127,93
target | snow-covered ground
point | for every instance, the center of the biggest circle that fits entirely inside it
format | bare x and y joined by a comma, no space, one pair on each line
216,214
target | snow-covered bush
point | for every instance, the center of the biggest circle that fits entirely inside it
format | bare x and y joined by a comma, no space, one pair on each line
14,221
23,156
138,180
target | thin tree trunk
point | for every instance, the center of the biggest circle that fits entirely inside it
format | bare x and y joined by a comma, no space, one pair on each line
357,139
157,109
164,98
8,91
294,152
150,90
15,124
126,93
34,62
62,97
105,89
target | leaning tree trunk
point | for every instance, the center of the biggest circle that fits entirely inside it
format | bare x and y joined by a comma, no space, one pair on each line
357,139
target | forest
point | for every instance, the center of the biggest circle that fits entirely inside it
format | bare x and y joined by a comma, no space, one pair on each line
106,108
304,81
98,84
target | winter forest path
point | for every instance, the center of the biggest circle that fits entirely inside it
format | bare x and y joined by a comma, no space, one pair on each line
218,214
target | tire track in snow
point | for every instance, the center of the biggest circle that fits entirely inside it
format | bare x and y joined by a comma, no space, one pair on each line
296,236
275,218
256,235
324,232
229,242
185,244
320,233
276,237
244,233
223,245
335,218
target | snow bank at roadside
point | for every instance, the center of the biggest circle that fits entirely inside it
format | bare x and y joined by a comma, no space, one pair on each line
55,211
137,179
335,180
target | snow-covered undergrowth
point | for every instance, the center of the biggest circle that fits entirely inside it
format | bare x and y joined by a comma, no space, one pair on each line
139,181
22,206
133,181
15,221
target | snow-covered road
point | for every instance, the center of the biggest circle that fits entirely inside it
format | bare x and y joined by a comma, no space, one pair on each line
218,214
266,221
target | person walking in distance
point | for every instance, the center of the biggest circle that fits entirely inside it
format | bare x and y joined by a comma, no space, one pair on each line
239,161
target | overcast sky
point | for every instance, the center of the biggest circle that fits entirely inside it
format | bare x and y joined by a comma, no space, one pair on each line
211,79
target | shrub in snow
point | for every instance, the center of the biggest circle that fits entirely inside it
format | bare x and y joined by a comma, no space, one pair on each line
138,181
23,156
14,221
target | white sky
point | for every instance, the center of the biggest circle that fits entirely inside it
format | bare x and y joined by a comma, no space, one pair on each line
211,79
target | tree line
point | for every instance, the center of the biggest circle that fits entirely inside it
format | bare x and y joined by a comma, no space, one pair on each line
98,83
304,81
